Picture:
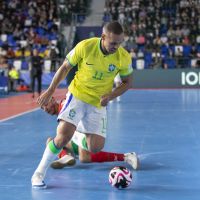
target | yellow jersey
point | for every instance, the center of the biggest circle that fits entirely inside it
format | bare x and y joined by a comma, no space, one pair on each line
96,71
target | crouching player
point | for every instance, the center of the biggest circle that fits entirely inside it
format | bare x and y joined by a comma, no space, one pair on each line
77,147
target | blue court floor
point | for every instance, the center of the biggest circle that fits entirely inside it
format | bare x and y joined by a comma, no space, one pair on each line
162,126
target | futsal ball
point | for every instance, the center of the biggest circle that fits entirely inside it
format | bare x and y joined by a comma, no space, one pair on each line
120,177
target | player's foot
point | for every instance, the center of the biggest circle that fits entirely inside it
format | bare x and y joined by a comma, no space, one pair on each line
132,159
37,181
66,160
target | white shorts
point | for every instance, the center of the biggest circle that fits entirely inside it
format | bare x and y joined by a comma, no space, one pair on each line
86,118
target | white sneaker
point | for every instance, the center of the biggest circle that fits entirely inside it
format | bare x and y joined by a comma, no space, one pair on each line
38,181
65,161
132,159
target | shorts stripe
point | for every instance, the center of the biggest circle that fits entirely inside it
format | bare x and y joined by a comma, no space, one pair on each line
67,103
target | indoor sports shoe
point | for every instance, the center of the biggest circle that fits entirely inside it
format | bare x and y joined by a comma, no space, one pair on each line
37,181
132,159
65,161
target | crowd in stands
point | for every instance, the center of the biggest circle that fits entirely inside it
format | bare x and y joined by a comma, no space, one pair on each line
159,33
28,25
78,7
35,24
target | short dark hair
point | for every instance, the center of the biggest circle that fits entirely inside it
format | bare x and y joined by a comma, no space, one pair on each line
113,27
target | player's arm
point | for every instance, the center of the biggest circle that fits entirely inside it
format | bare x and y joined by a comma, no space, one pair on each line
58,77
123,87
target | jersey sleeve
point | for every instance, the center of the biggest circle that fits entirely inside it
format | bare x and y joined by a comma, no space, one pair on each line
127,68
75,55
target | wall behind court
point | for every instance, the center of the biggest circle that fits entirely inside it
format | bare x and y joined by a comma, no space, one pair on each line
170,78
147,78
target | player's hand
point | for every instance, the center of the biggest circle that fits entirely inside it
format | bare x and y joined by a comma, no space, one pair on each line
104,100
44,98
52,107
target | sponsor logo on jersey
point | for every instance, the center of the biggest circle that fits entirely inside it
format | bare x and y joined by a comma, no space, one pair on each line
89,63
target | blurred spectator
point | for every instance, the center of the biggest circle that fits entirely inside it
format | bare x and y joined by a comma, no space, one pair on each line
36,72
10,53
14,79
198,64
169,62
140,63
62,45
53,55
3,63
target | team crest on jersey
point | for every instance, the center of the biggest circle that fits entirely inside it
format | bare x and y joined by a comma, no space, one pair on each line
111,68
72,113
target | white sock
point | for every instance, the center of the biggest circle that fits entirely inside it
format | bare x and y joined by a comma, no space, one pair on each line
46,160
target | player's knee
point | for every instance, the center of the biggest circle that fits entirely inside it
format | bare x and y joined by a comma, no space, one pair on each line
95,143
95,149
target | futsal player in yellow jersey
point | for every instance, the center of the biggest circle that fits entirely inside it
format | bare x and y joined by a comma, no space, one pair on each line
96,70
98,60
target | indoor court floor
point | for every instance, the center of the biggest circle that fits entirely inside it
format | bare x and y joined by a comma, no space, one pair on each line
162,126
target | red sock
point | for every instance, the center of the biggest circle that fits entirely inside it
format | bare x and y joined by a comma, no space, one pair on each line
106,157
62,153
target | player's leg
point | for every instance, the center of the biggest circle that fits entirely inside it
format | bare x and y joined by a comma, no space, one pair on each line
130,158
65,131
94,120
97,121
94,125
86,157
39,84
95,142
102,156
33,85
89,157
65,158
69,117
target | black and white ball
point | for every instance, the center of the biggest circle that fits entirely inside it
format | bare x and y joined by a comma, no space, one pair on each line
120,177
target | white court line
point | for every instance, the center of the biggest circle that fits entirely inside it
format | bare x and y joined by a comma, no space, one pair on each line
20,114
6,123
145,155
8,186
15,172
32,110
